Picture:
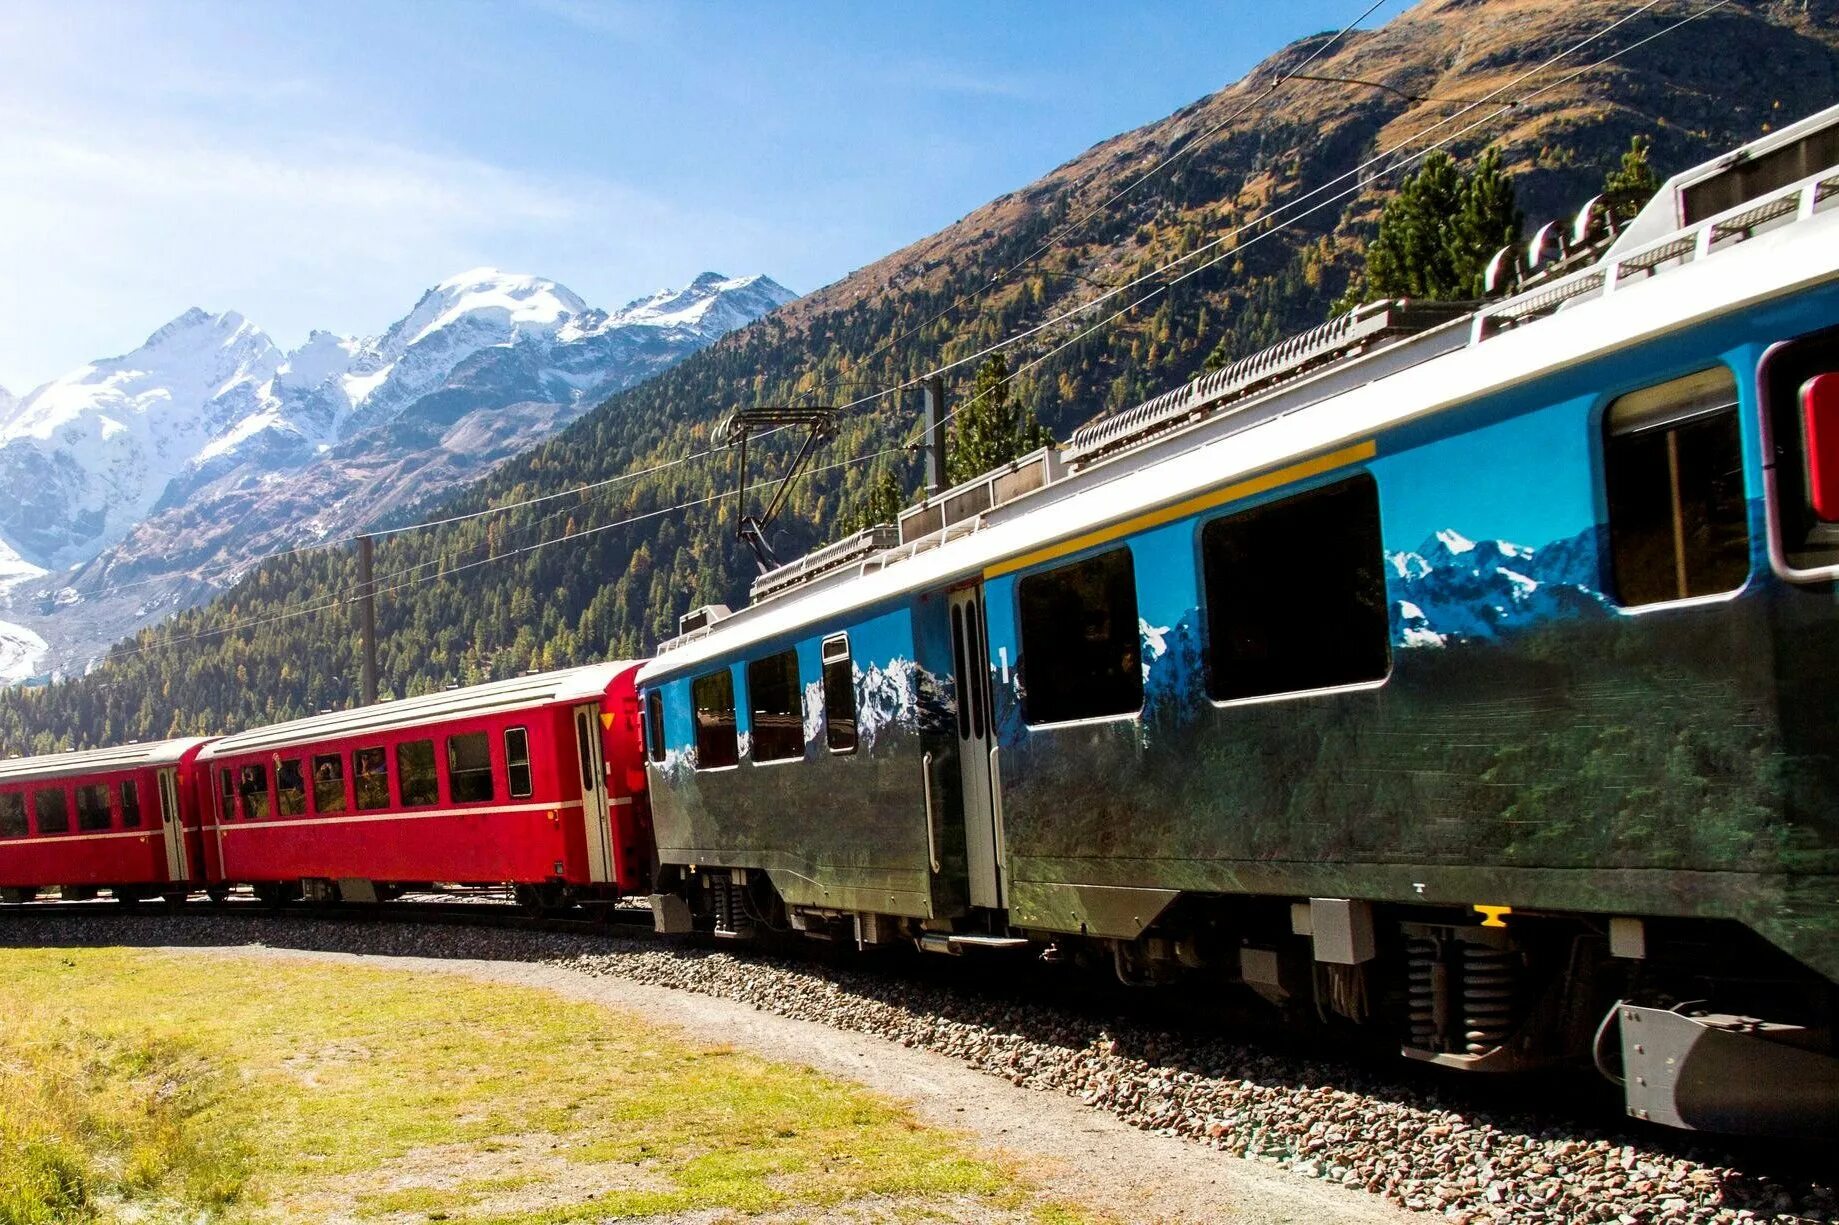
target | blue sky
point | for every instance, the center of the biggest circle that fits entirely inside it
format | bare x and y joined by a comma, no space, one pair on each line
319,165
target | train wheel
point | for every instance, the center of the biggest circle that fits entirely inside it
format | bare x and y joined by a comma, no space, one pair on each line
125,898
218,894
19,895
546,896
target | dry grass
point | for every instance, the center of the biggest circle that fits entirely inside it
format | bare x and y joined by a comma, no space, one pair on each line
148,1087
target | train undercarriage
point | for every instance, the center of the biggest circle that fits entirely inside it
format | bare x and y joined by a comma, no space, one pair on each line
1703,1024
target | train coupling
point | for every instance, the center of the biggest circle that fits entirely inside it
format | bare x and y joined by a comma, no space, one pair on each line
1719,1072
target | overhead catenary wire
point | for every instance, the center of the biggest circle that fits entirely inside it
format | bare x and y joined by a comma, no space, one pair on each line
1415,157
876,454
1190,143
1265,219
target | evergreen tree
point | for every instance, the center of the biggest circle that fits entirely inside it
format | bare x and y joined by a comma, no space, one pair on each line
885,500
1631,184
1438,233
989,428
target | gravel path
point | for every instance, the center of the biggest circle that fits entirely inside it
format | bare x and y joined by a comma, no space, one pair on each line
1350,1126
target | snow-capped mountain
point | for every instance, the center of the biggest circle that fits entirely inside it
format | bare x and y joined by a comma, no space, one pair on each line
1460,590
209,444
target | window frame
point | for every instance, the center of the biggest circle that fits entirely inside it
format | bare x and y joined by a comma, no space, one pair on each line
402,773
130,811
654,725
299,765
1782,444
753,708
38,810
734,718
824,663
242,794
1338,481
25,815
226,795
357,775
86,820
514,762
1060,565
454,775
345,797
1609,576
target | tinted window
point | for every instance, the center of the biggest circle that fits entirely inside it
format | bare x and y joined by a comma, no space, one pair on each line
93,807
1079,641
517,760
290,788
415,766
469,767
328,783
130,804
1678,520
52,810
13,815
1296,594
716,743
252,787
370,778
839,695
226,794
654,725
777,710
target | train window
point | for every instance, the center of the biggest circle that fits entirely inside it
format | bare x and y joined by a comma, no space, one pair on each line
1678,517
52,809
252,787
717,745
839,695
469,767
1080,644
93,807
226,795
517,761
370,778
1296,594
290,788
777,707
328,783
13,815
654,725
415,768
130,804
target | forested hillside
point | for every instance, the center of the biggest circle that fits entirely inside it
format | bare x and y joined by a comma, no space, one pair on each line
1239,155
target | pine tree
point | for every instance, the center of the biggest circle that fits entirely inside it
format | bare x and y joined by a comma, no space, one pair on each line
885,500
1631,184
1436,236
989,429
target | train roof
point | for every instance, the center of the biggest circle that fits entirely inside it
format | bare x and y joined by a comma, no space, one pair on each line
494,697
97,761
1319,400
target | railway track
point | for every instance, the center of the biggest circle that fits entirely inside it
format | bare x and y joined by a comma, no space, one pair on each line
1548,1149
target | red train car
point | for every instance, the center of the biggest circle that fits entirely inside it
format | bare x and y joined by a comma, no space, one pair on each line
123,819
538,782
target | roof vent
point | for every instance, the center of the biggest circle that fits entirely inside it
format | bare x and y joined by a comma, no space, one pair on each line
964,502
699,620
827,560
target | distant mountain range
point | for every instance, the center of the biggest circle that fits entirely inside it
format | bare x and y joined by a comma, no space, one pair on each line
170,467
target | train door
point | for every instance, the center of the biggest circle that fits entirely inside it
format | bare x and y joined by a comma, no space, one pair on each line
594,794
172,825
971,667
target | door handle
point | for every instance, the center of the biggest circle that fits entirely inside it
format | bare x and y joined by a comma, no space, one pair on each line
932,832
996,801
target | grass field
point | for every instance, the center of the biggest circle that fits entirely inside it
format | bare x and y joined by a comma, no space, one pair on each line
143,1086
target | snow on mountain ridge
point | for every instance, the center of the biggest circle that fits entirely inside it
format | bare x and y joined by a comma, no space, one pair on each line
1462,590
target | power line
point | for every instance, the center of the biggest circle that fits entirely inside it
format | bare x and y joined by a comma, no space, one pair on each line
1234,232
1192,143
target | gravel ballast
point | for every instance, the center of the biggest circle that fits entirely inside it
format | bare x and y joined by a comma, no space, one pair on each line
1341,1121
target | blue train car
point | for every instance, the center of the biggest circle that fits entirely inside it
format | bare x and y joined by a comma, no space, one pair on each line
1465,672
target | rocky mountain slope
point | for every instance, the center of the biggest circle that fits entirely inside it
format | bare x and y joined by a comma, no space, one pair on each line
1238,155
145,482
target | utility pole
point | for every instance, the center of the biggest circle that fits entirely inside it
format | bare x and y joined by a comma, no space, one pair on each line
933,389
367,620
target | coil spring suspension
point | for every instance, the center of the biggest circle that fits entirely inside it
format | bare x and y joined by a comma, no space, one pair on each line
727,905
1462,995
